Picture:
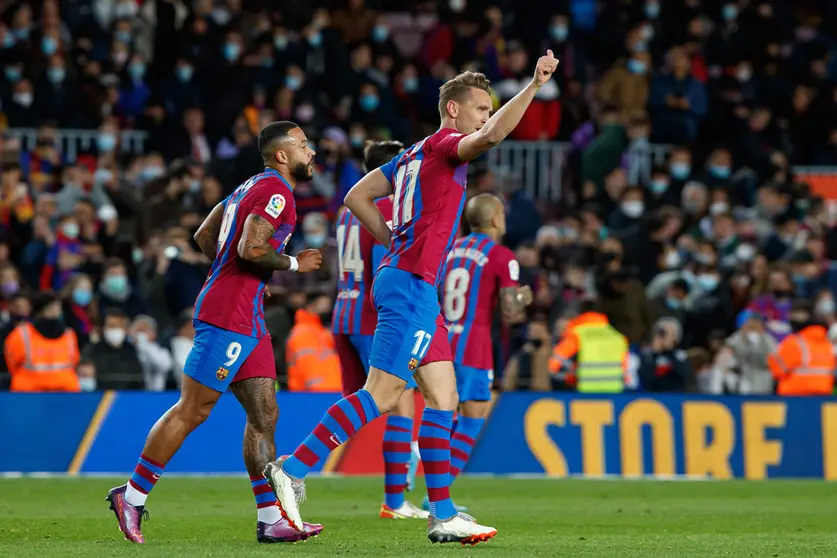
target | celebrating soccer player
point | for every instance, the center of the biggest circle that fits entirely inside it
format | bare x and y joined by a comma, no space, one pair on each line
428,180
244,236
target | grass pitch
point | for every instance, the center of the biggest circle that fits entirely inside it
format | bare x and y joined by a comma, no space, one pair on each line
216,517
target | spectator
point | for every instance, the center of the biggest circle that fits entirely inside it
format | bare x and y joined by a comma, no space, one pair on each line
528,368
663,367
181,342
156,361
312,361
804,362
79,309
625,85
775,303
622,299
678,100
115,290
742,364
114,359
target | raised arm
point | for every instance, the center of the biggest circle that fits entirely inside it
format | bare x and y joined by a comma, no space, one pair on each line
255,247
207,235
361,202
508,117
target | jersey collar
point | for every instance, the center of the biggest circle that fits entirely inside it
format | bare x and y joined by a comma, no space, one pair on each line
274,172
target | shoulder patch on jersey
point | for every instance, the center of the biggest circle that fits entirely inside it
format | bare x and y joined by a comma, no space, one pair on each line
275,205
514,270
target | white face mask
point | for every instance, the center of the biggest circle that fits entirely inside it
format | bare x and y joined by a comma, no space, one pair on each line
672,260
114,336
633,208
23,99
142,338
753,337
745,252
718,208
825,306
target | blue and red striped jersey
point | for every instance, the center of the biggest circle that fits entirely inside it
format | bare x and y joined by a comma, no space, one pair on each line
358,256
476,270
429,184
233,295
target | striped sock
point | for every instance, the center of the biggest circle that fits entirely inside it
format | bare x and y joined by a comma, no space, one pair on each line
462,442
265,500
340,423
397,438
434,442
145,476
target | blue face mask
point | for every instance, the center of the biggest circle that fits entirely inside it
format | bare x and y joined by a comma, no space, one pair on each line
280,42
357,141
13,73
680,171
184,73
231,51
380,33
315,40
49,45
369,102
637,66
730,12
674,303
82,297
22,34
150,173
641,46
652,10
719,172
106,142
559,32
658,186
315,240
136,70
411,84
267,62
116,284
294,83
56,75
707,282
8,40
122,36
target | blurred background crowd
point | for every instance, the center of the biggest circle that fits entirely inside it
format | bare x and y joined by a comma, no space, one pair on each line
678,212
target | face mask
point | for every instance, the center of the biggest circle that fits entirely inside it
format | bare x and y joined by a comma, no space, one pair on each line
825,306
56,75
13,73
49,46
22,34
137,256
114,336
718,207
23,99
136,71
70,230
125,10
315,240
9,288
707,282
116,284
357,141
744,74
142,338
184,73
221,16
652,10
680,171
120,57
658,186
457,5
102,176
106,142
8,40
411,84
672,260
122,37
674,303
293,83
641,46
753,337
87,384
231,51
633,208
380,33
559,33
647,32
369,102
315,40
150,173
730,12
745,252
305,113
194,186
719,171
280,42
82,297
637,66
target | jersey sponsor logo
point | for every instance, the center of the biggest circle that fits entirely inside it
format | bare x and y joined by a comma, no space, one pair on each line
514,270
275,205
222,373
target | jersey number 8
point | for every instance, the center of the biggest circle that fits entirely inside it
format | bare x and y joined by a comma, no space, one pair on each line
456,289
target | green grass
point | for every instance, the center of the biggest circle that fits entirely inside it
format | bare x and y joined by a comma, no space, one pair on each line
216,517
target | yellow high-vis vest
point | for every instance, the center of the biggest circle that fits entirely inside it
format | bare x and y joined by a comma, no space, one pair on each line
601,357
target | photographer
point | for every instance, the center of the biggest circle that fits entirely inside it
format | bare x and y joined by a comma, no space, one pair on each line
528,368
662,367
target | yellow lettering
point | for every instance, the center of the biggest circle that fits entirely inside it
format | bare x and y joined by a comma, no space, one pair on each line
540,415
760,452
592,417
702,458
636,415
829,443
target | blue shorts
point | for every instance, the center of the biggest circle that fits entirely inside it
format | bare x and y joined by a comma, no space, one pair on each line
410,329
217,355
473,384
363,346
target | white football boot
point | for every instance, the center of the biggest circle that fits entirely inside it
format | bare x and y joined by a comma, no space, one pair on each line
407,510
461,528
289,492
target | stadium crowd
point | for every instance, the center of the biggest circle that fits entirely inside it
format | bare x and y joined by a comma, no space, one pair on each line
704,262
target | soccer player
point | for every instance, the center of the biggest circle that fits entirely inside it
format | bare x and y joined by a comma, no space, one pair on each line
479,272
244,236
428,180
353,325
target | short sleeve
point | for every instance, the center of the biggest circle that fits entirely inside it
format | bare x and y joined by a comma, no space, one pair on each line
508,269
448,146
270,204
389,168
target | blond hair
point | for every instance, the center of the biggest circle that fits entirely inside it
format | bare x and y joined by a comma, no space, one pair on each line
456,89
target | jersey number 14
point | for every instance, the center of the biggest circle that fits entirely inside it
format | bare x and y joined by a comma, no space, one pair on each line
349,258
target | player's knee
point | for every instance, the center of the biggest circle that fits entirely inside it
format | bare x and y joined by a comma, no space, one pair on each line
442,399
193,414
264,420
385,390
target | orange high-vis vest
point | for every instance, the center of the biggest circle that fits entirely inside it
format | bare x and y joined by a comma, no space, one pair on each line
313,364
803,364
37,363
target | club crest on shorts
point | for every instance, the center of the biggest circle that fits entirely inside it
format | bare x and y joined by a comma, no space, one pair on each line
414,362
222,373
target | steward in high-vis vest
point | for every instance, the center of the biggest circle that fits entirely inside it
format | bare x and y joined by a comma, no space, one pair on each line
601,353
43,355
803,363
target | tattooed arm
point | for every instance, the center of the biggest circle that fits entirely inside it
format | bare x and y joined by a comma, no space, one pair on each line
207,235
513,300
255,247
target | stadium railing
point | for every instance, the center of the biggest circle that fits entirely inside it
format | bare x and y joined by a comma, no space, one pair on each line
72,142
